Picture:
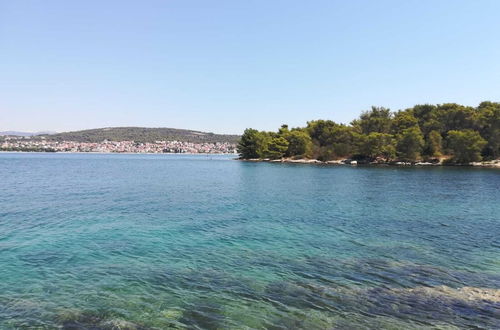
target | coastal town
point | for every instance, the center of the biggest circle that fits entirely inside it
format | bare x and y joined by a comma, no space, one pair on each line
43,145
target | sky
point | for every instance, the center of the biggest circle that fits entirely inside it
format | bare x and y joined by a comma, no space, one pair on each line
223,66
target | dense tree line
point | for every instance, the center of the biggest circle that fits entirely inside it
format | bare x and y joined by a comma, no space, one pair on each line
463,133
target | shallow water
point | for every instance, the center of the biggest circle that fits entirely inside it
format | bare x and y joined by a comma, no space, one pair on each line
92,241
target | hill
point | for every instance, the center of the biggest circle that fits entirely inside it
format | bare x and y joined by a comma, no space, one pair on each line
140,134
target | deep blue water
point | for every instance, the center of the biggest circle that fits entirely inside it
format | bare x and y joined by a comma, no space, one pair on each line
94,241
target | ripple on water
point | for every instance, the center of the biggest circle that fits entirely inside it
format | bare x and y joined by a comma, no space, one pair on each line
182,242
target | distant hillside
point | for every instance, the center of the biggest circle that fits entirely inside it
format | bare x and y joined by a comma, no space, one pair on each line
140,134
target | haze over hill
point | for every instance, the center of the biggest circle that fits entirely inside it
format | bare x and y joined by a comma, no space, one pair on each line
140,134
16,133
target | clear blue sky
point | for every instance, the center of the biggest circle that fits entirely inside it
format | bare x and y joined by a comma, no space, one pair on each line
223,66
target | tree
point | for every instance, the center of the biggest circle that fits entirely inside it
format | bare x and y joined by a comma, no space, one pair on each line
277,147
488,120
342,141
454,116
376,145
253,144
247,147
299,143
466,145
283,131
331,140
427,117
320,131
493,146
377,120
434,143
403,120
410,143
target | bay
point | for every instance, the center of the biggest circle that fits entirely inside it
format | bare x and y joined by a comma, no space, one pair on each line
108,241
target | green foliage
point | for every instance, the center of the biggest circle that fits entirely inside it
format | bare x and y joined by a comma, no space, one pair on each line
321,131
453,116
283,131
488,121
376,145
253,144
427,118
331,140
277,147
434,144
466,145
342,141
403,120
377,120
299,144
468,133
410,144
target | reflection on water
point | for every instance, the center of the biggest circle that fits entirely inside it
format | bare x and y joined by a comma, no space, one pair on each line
155,242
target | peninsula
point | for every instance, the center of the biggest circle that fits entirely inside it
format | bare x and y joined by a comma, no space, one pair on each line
423,135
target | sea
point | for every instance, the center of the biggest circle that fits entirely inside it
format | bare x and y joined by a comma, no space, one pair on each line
163,241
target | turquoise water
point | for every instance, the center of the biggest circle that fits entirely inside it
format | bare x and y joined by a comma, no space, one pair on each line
92,241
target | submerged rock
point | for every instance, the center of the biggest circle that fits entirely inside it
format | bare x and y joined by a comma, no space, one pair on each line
466,307
203,315
415,307
118,324
466,293
172,314
72,319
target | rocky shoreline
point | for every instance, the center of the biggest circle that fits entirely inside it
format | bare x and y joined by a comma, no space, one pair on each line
491,164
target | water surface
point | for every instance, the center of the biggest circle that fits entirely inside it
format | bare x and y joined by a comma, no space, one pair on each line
94,241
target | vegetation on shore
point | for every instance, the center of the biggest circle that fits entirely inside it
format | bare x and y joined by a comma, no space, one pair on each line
463,133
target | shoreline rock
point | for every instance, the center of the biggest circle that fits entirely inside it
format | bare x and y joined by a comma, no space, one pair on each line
489,164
